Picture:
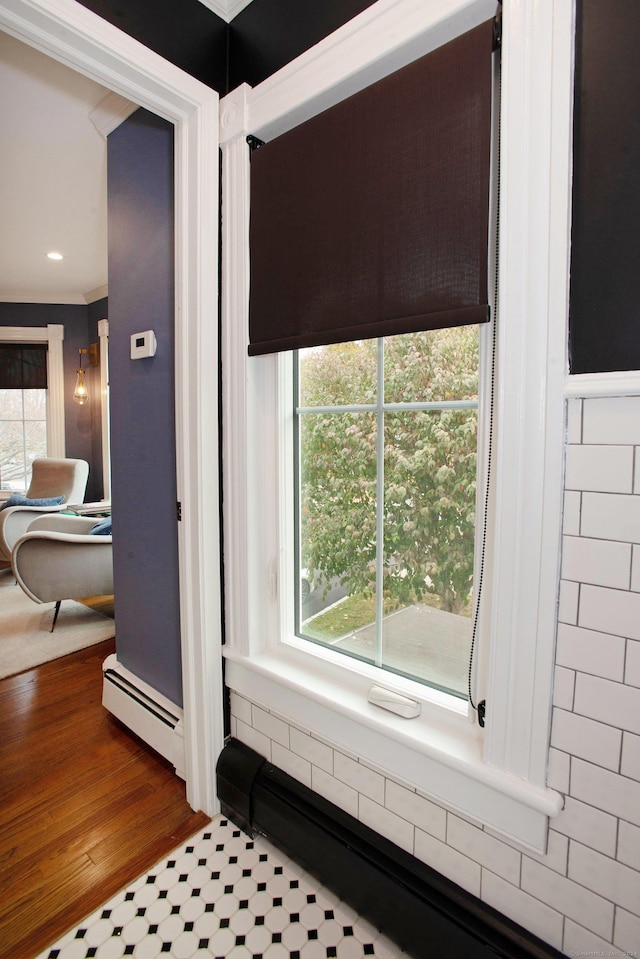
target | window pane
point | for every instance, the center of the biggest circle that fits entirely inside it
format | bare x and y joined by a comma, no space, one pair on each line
35,441
11,404
23,435
337,519
35,405
338,375
12,468
432,366
386,504
430,489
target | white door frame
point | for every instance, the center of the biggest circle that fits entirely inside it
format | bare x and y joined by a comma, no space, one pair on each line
68,32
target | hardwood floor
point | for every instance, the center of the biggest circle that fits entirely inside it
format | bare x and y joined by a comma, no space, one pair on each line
102,604
85,807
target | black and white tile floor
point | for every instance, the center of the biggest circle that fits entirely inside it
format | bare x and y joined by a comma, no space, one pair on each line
227,896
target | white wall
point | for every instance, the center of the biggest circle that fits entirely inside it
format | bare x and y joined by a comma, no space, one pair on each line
583,896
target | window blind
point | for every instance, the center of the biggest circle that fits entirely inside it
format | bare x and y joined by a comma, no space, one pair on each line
23,367
372,218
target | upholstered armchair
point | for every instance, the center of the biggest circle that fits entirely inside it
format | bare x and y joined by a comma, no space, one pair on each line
57,558
50,478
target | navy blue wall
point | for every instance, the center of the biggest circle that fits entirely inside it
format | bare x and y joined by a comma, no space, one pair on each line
605,278
141,297
80,421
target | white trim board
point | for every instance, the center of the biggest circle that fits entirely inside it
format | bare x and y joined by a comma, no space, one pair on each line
83,41
63,299
110,113
619,383
153,717
226,9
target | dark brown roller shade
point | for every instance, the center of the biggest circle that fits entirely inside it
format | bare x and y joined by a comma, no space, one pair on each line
23,367
372,218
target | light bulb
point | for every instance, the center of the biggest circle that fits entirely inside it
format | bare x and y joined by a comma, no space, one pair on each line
81,393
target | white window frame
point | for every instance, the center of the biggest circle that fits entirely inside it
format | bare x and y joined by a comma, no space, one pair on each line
289,495
53,336
496,776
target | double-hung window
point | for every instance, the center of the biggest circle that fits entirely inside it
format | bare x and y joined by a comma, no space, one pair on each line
385,501
31,401
23,412
356,465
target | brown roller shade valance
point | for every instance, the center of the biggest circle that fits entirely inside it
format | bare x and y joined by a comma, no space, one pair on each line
23,367
372,218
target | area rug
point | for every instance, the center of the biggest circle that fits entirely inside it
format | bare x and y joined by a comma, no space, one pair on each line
25,640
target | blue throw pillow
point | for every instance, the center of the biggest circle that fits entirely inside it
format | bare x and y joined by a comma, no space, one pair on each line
103,528
17,499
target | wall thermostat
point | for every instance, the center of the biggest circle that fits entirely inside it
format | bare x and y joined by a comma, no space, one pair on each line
143,344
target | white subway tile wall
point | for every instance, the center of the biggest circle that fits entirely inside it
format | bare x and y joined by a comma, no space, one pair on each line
583,896
632,670
603,469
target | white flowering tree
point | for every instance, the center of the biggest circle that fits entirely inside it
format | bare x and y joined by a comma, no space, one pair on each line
429,467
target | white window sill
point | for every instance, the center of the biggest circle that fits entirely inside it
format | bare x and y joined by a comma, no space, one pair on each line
442,758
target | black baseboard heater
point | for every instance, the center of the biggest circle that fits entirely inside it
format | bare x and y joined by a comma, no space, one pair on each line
423,912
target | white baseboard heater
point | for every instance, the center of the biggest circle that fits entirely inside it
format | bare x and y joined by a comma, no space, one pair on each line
145,711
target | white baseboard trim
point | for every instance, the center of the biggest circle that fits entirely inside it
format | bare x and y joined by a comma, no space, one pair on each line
145,711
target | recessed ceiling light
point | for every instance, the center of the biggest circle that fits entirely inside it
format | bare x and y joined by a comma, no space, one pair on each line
54,256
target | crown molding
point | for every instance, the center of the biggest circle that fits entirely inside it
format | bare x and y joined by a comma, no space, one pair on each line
66,299
226,9
97,294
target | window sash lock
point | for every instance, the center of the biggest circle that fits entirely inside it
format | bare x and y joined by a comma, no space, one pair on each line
394,702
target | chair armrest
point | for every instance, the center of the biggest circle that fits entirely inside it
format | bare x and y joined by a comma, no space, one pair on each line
51,566
57,536
61,523
15,521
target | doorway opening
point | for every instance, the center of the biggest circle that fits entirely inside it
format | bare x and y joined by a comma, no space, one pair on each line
94,48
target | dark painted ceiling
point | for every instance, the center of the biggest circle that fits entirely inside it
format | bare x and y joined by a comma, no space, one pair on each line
263,37
185,33
268,34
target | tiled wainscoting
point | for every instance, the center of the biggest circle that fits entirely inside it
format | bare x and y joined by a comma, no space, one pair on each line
583,896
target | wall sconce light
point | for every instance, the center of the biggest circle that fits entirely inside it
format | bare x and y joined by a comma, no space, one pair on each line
81,393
